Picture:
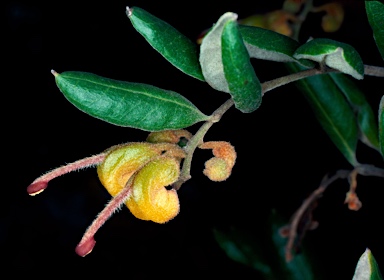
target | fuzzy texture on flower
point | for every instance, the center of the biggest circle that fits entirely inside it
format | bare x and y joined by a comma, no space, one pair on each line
168,136
135,174
121,162
154,166
219,168
150,200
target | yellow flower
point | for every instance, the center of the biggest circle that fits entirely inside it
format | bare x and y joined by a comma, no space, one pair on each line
219,168
135,174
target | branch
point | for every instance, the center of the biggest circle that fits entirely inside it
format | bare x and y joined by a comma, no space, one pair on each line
281,81
272,84
307,207
374,71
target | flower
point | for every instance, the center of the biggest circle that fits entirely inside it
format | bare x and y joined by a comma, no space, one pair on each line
135,174
219,167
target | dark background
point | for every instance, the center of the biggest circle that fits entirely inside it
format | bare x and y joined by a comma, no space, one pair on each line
282,151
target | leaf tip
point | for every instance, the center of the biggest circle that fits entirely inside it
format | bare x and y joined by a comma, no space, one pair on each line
128,11
54,73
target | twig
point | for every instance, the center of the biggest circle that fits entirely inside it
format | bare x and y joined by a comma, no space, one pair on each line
196,140
298,215
351,199
373,70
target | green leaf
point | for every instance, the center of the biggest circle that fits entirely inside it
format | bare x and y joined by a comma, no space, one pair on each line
332,111
365,117
367,268
237,77
265,252
122,103
269,45
334,54
211,55
242,247
169,42
244,86
375,13
381,125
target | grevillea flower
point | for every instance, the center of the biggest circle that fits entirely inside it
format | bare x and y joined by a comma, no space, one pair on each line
135,174
219,167
333,18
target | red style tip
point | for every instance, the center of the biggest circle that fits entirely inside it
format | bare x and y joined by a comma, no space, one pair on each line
36,188
83,249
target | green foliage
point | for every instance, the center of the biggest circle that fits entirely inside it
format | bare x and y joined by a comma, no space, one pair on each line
243,84
211,59
375,13
366,119
321,69
367,268
332,111
122,103
337,55
173,45
269,45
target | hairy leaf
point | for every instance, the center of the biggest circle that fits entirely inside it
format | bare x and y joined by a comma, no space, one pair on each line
375,13
169,42
269,45
123,103
332,111
211,54
365,117
367,268
334,54
244,86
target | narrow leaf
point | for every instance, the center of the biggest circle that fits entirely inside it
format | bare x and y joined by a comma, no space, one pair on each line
269,45
365,117
244,86
169,42
367,268
334,54
375,13
211,54
122,103
332,111
381,125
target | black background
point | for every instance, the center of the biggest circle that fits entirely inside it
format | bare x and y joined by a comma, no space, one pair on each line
282,151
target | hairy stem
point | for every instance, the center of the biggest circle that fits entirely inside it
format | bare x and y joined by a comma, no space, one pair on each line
197,139
278,82
374,71
281,81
